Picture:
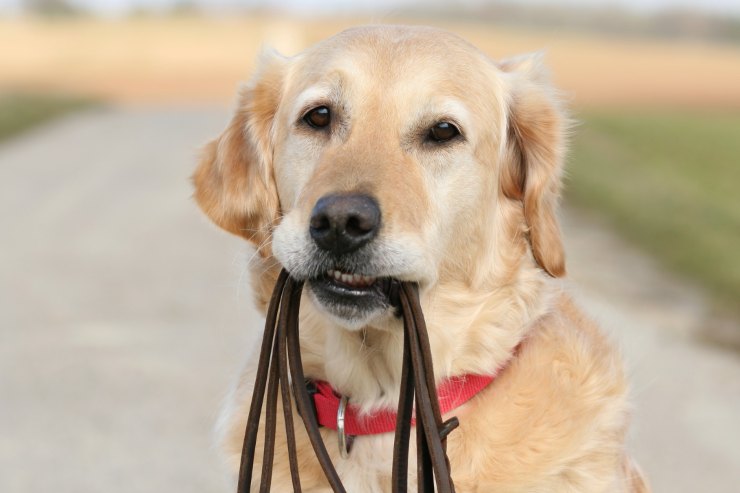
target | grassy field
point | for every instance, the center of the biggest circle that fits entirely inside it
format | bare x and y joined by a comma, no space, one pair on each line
669,182
21,111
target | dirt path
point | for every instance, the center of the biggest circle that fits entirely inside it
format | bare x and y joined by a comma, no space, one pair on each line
686,432
123,317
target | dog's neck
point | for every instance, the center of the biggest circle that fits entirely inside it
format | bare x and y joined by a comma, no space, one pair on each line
471,331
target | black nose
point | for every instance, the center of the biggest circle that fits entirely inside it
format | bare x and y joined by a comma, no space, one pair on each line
343,223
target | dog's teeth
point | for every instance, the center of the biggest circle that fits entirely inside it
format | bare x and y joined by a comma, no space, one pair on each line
351,279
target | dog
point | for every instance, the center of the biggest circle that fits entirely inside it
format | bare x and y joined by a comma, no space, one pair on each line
393,152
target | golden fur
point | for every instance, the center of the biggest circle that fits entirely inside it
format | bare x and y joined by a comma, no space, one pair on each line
473,222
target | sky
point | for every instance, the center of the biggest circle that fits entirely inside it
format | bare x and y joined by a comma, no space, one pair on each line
114,7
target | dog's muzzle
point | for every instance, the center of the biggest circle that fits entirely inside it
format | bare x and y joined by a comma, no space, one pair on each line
343,227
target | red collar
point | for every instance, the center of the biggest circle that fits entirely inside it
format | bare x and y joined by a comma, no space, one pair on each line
452,393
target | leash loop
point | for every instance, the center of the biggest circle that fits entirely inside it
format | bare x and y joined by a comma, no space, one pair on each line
280,370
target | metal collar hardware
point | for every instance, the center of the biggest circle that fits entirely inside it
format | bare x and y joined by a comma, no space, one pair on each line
344,442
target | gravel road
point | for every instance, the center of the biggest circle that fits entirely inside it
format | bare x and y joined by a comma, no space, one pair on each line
124,315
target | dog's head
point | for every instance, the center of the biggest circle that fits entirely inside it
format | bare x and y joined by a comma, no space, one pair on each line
390,152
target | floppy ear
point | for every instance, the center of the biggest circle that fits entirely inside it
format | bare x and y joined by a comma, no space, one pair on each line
532,171
234,182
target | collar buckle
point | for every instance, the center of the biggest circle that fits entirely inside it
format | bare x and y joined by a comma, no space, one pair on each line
343,440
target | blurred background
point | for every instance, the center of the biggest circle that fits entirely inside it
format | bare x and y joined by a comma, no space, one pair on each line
124,315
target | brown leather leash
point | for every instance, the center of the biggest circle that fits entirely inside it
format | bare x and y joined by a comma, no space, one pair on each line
280,366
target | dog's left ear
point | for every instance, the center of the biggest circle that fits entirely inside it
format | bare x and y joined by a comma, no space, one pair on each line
532,170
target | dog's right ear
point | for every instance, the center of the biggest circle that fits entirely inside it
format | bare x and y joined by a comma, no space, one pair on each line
234,181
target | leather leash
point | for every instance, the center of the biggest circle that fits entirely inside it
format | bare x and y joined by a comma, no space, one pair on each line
280,366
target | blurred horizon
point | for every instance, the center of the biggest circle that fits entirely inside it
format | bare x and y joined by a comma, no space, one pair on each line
715,21
125,7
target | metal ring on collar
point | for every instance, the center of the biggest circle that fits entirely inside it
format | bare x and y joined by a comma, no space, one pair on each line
344,441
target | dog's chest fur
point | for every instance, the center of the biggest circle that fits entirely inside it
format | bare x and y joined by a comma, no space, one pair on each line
553,420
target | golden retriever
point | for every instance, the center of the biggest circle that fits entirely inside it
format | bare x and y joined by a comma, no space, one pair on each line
404,152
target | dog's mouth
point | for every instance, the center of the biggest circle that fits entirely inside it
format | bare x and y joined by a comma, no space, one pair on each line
351,287
350,295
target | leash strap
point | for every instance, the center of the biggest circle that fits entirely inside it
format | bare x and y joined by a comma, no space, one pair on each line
280,366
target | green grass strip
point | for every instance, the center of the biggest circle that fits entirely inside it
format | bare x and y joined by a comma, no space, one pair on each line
22,111
670,182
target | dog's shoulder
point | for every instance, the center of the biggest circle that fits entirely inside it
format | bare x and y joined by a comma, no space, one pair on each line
575,350
559,408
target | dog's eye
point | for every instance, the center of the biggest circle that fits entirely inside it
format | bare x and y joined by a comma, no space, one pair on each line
443,132
318,117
